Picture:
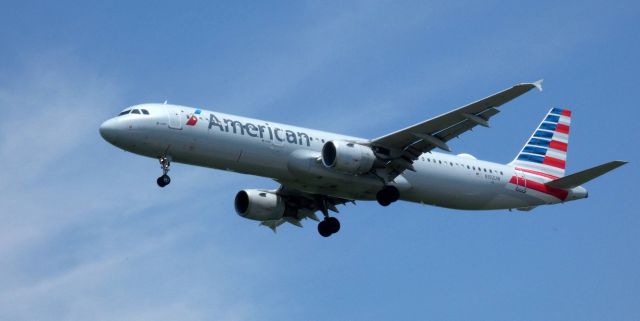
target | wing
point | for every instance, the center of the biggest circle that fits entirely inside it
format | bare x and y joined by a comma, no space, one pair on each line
403,147
306,205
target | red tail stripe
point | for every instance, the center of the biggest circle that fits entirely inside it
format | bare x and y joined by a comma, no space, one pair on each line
558,145
553,162
562,128
555,192
566,112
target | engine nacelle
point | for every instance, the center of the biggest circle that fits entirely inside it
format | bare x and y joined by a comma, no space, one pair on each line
348,157
259,205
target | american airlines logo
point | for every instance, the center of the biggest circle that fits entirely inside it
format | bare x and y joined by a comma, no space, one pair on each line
193,119
265,132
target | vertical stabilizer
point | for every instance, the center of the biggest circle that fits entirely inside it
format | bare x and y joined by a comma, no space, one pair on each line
546,151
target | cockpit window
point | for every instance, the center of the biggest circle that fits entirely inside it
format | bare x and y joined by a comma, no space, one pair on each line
144,111
135,111
124,112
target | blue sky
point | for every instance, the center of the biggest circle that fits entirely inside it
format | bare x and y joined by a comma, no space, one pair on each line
86,233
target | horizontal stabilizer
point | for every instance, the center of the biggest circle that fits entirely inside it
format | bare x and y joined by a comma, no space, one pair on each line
584,176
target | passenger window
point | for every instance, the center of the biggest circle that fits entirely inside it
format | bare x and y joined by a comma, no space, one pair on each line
468,167
490,171
485,170
124,112
135,111
474,168
440,161
144,111
451,163
501,173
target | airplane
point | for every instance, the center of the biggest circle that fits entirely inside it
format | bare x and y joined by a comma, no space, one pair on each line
318,170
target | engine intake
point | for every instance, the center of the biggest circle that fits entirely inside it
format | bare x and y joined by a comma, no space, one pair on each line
259,205
348,157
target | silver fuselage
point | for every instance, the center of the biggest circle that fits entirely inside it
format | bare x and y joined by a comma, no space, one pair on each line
291,156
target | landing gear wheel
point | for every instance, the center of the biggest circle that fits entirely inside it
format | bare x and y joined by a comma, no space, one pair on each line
324,229
334,224
328,226
165,162
382,199
164,180
388,195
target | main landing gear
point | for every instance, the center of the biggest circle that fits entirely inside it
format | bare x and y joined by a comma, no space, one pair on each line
164,180
388,195
328,226
331,225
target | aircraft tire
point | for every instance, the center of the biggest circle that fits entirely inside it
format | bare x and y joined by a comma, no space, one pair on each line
393,192
324,228
163,180
382,198
333,223
387,195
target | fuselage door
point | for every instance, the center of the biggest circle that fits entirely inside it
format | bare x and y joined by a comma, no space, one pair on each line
175,117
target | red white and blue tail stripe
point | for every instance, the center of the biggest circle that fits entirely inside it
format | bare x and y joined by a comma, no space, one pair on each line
545,153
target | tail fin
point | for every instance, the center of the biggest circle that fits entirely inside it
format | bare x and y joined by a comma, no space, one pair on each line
546,151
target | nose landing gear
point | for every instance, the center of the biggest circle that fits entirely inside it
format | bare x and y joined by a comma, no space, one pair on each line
164,180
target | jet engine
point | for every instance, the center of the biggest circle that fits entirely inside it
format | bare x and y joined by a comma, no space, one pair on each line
347,157
259,205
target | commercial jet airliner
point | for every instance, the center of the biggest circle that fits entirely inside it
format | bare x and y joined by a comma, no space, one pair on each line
319,170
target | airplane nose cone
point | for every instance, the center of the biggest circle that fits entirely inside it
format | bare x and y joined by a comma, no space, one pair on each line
109,130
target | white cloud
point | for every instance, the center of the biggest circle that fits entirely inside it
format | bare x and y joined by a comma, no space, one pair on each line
50,109
79,227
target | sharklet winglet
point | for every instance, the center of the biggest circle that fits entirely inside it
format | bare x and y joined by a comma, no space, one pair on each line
538,84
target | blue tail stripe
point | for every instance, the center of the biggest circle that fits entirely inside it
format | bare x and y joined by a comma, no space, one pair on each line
539,142
543,134
531,158
556,111
548,126
535,150
552,118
